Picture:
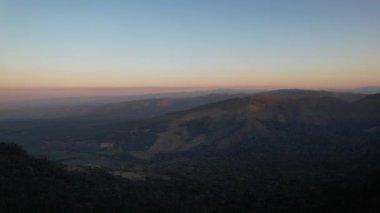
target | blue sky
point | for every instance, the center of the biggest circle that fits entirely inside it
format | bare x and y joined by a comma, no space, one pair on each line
235,43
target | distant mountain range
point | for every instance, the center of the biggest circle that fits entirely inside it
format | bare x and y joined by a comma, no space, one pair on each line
102,106
125,106
145,129
365,90
153,107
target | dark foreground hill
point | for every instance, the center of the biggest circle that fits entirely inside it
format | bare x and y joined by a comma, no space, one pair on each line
30,184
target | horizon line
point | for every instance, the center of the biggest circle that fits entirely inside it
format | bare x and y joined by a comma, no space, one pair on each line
214,87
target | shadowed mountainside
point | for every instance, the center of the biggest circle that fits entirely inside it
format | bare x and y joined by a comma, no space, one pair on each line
234,121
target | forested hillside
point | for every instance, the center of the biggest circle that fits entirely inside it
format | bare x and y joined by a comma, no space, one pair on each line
31,184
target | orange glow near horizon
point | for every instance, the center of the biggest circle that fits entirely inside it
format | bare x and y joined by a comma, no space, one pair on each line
270,80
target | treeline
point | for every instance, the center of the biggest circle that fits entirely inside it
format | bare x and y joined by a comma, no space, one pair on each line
29,184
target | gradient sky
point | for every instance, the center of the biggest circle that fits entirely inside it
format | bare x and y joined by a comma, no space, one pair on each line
183,43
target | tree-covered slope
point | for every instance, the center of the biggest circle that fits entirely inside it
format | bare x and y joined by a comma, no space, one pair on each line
30,184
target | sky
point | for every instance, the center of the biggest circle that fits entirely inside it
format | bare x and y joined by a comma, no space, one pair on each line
192,44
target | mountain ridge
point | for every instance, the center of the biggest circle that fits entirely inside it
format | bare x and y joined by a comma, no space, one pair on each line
251,113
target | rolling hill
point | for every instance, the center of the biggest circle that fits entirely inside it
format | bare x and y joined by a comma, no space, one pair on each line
235,121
